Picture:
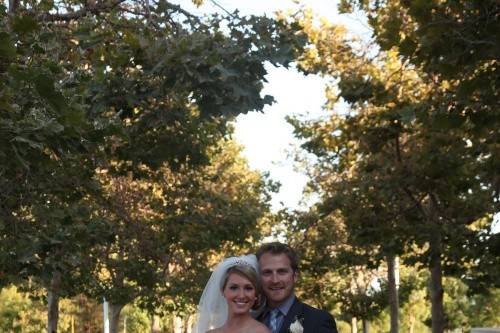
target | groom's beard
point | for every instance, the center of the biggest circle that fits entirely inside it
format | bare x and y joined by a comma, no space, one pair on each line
278,292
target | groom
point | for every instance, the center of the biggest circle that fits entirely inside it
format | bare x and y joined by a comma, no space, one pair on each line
278,266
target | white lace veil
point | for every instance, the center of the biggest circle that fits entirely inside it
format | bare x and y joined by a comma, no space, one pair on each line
212,309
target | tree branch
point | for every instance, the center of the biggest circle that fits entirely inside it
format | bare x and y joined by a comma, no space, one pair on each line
179,9
94,9
222,8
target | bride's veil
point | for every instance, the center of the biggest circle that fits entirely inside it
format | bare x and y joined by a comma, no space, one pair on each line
212,309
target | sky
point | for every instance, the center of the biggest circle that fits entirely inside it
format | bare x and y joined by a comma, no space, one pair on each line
266,136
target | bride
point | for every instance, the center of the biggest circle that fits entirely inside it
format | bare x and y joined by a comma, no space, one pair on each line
231,293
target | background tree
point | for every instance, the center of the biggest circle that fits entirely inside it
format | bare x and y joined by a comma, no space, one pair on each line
18,313
467,62
166,229
334,275
117,86
398,165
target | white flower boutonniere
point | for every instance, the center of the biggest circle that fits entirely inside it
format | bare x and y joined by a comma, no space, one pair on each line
296,327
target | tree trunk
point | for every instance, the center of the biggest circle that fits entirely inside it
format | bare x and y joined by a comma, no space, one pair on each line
114,317
53,302
155,326
436,285
105,315
13,6
366,326
354,325
412,323
435,249
177,324
392,273
189,324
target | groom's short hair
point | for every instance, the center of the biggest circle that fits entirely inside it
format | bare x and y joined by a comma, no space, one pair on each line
280,248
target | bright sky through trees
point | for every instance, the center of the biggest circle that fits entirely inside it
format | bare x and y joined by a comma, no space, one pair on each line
267,137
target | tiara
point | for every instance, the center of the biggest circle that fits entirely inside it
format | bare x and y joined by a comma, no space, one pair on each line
239,261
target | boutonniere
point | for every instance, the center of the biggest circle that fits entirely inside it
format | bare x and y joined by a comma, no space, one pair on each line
296,326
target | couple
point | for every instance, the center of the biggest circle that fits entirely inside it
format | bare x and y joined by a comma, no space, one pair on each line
237,288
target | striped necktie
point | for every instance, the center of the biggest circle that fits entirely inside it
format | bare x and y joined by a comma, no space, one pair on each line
273,321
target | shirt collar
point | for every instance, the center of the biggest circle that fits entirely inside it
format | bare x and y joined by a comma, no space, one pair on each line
287,304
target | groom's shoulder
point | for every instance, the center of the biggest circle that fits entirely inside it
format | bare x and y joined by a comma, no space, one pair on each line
318,320
309,310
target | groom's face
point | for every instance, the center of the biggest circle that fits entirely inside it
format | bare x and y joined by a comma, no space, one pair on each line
278,277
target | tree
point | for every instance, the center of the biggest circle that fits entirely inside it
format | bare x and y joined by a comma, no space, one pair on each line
18,313
334,275
167,226
398,166
113,85
454,42
483,309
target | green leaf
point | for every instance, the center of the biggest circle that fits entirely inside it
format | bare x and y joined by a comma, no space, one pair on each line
45,87
47,5
24,24
7,48
268,99
407,114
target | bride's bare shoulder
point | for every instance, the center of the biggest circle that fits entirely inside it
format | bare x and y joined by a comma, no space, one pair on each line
261,328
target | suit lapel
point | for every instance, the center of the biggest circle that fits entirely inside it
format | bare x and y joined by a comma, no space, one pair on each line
294,313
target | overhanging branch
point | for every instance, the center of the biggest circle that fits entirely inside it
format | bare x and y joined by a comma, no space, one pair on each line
94,9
